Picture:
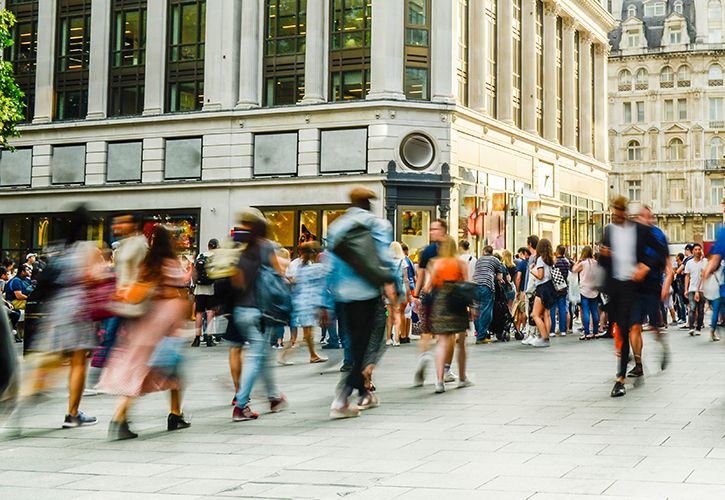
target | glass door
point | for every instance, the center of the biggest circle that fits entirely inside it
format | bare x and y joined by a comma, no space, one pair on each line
414,226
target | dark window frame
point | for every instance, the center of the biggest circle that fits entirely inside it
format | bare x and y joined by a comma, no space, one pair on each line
25,12
131,76
72,73
288,65
417,55
347,61
180,71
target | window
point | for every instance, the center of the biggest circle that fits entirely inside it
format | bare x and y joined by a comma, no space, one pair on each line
343,150
634,190
517,57
669,110
185,55
491,55
462,66
641,82
634,151
683,76
275,154
675,35
675,232
678,7
682,109
350,49
68,165
559,79
284,51
717,190
667,78
654,9
676,149
633,38
627,111
660,9
625,80
128,51
183,159
631,11
124,161
712,228
15,167
714,75
22,54
640,111
73,52
417,49
716,110
676,188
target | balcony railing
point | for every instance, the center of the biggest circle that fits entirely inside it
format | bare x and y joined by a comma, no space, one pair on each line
717,124
715,164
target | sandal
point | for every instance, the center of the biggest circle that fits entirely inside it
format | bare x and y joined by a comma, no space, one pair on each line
318,360
584,337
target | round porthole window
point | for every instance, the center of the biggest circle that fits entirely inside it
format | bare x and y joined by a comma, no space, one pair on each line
417,151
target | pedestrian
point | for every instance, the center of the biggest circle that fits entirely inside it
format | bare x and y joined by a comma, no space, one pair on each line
204,296
256,329
545,295
590,281
561,305
623,255
393,330
679,290
19,287
519,307
464,253
449,320
694,269
408,318
509,277
530,288
487,271
711,291
132,369
355,277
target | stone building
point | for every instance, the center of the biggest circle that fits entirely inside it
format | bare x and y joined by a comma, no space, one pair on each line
666,112
491,113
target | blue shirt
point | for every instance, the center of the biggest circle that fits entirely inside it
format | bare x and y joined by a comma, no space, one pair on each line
17,284
343,283
719,249
522,268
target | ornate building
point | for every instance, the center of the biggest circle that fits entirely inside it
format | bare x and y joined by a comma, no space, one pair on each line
666,109
491,113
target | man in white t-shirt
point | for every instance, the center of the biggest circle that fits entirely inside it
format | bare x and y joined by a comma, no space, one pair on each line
693,284
465,255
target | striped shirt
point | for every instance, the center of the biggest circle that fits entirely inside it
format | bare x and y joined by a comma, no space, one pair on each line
487,267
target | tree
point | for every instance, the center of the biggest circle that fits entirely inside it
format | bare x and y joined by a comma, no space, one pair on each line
11,97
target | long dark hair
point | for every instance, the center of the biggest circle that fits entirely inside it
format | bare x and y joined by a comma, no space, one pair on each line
162,247
586,252
544,250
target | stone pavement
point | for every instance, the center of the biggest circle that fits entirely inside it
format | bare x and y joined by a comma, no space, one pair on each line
538,424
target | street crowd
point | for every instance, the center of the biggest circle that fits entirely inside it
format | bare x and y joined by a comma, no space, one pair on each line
125,307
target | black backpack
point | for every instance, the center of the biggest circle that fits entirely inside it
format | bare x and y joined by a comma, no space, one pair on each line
202,278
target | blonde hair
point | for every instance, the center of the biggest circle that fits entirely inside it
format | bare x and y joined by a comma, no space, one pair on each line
508,260
447,248
396,250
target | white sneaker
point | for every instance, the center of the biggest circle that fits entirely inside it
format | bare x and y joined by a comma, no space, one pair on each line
540,342
563,334
440,387
388,342
419,377
449,377
462,384
528,339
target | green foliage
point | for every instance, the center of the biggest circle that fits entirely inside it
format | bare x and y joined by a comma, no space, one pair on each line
11,97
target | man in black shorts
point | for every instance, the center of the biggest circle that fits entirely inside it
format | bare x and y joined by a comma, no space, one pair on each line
204,295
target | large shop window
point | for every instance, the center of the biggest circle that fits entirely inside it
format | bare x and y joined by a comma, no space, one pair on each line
350,49
73,53
124,161
15,167
343,150
275,154
185,55
417,49
68,165
23,52
183,159
128,58
284,51
291,226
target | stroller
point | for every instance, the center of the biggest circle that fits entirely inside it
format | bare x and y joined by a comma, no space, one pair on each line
502,322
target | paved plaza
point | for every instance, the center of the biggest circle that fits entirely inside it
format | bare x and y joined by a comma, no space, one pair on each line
538,424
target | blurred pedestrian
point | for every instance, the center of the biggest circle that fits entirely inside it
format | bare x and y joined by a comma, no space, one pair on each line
545,295
394,331
589,284
204,296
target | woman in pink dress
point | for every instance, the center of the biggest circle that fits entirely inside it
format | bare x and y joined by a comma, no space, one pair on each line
128,373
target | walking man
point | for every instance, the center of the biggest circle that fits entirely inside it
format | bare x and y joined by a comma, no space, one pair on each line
204,295
693,282
488,269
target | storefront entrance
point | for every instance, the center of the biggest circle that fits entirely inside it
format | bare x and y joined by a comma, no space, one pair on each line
413,226
290,226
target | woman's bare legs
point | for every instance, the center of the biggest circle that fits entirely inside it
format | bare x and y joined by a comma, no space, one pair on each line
290,345
76,380
121,413
310,341
461,339
235,366
540,319
444,352
175,402
389,323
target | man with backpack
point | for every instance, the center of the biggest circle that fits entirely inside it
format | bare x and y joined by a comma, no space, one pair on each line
204,295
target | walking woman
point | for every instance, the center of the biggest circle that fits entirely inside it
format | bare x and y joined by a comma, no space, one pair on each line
589,283
394,332
128,373
449,321
545,294
306,299
510,280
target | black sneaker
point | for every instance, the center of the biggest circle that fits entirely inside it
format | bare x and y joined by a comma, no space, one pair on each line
72,421
665,359
197,341
210,341
118,431
618,390
175,422
635,372
346,367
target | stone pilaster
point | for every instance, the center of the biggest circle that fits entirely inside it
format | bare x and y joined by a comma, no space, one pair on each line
505,65
316,51
529,66
155,74
249,63
100,59
221,54
569,92
551,13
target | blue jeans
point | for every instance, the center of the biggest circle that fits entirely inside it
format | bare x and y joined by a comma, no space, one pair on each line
485,311
590,307
344,336
715,306
559,305
257,358
276,333
333,339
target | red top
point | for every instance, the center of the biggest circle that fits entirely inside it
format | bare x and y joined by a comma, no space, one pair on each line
448,269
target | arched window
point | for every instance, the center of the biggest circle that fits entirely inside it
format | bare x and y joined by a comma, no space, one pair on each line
714,21
667,78
678,6
714,75
716,149
683,76
631,11
634,151
625,80
641,79
676,149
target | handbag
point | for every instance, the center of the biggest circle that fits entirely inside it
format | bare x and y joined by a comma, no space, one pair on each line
133,300
357,249
558,279
462,295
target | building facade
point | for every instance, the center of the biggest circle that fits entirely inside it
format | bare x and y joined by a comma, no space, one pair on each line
490,113
666,110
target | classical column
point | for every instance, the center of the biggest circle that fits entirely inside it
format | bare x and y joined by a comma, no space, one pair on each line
100,59
221,54
477,64
529,66
568,104
155,74
315,54
505,62
45,58
551,13
249,67
601,54
386,51
585,91
443,51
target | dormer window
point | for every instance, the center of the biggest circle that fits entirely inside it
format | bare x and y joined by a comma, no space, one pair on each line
675,36
654,9
631,11
678,6
633,38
